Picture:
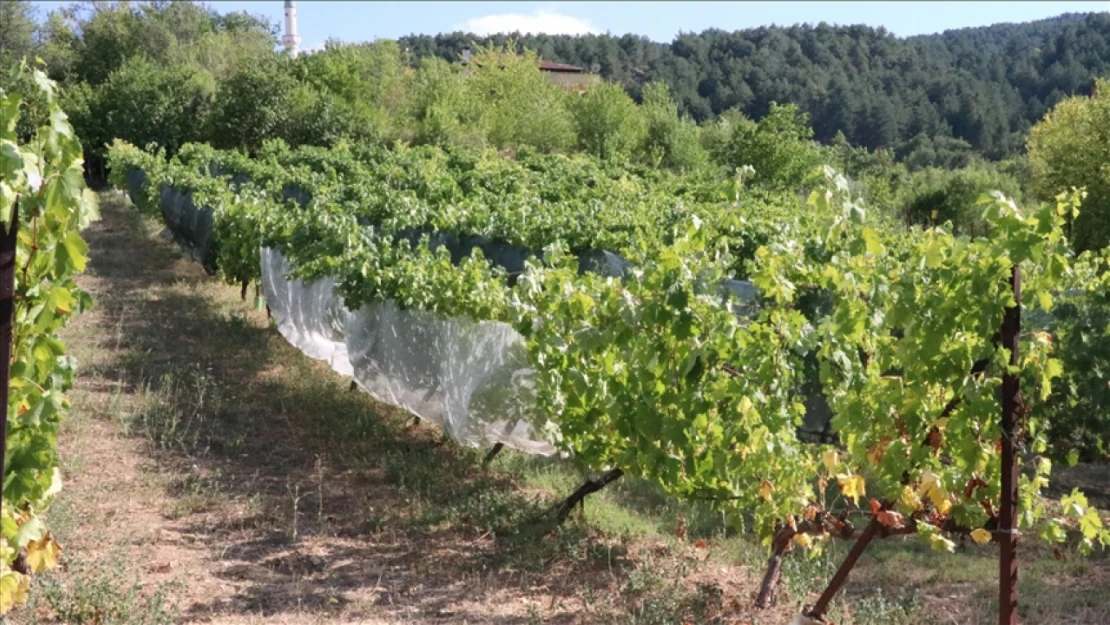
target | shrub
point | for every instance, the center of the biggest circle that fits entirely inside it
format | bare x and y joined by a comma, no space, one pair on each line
1070,147
517,103
608,123
935,196
669,141
778,147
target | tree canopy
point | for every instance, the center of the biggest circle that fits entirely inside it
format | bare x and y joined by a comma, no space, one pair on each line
981,86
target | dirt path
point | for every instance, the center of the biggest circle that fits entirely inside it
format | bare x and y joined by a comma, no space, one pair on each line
215,474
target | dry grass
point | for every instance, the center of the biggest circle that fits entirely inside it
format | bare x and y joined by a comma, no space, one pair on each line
215,474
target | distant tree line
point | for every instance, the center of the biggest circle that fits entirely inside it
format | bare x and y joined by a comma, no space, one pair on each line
928,98
922,124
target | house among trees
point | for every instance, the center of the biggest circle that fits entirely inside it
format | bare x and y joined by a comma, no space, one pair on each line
569,75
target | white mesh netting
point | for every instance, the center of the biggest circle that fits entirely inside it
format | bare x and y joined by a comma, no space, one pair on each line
471,378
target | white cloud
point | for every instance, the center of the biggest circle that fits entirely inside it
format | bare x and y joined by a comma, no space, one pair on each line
541,21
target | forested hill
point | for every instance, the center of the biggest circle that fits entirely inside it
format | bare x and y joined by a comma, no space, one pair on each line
985,86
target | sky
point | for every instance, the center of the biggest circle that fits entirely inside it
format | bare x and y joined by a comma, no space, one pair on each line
350,21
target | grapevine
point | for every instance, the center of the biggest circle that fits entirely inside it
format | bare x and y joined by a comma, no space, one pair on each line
656,371
44,200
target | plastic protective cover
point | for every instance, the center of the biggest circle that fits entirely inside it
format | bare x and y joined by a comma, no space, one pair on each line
472,378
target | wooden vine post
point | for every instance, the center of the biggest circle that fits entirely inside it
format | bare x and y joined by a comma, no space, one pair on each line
841,575
8,245
1011,414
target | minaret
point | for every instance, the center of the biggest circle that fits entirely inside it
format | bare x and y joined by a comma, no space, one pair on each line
291,39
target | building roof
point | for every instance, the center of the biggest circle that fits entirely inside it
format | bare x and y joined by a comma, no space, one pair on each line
549,66
545,66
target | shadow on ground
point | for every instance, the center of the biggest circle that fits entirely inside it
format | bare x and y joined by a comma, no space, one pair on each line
313,498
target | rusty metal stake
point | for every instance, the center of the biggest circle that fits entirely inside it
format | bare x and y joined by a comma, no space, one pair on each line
1011,413
8,244
841,576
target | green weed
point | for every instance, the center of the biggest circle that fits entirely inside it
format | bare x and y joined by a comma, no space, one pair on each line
98,595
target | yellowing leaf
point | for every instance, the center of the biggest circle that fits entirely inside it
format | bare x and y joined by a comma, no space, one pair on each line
42,554
803,540
765,489
875,454
14,588
940,543
910,498
981,536
852,486
931,488
745,405
831,458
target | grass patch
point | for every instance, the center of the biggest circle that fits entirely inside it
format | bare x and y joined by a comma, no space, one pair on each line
99,594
